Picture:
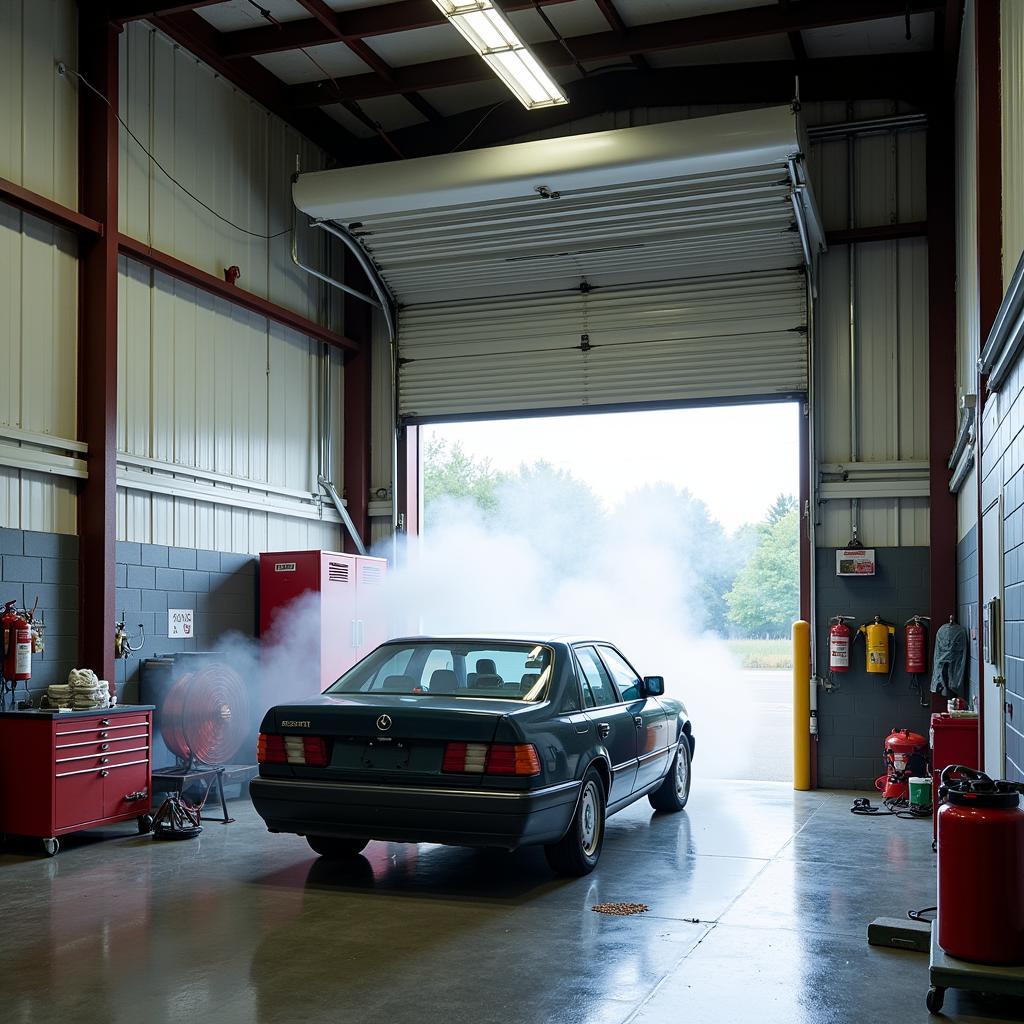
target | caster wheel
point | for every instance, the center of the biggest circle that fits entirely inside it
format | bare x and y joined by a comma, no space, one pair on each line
934,999
51,847
145,824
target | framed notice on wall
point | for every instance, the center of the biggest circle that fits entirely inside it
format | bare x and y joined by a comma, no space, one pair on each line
855,562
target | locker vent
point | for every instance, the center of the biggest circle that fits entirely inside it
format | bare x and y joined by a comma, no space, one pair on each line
337,572
372,574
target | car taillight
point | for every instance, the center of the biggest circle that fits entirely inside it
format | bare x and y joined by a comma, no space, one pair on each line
308,750
491,759
513,759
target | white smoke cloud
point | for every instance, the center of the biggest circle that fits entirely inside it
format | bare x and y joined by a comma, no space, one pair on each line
623,582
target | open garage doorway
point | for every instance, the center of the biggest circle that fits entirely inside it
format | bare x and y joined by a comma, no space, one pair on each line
673,532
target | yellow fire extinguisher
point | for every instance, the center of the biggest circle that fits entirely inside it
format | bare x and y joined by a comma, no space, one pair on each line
878,635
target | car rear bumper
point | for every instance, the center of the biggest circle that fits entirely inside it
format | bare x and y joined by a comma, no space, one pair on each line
409,814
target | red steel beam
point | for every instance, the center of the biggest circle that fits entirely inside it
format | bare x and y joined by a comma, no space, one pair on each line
358,24
877,233
700,30
358,320
942,391
48,210
97,340
182,271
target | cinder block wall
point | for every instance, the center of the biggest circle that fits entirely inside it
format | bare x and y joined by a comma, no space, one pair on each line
44,565
220,587
967,599
854,720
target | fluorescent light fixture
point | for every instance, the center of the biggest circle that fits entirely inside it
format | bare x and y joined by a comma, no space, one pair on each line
488,31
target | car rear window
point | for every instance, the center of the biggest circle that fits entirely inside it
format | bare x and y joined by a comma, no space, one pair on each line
486,669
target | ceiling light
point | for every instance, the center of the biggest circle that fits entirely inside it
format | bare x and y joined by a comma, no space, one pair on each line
488,31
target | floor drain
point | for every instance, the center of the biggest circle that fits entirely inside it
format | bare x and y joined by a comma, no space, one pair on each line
620,909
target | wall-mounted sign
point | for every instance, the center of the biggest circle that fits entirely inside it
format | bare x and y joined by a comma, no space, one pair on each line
855,562
180,623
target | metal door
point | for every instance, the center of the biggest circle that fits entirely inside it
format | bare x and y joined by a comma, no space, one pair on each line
993,682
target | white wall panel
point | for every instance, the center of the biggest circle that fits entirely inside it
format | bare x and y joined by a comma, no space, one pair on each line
39,278
1011,44
203,385
967,299
38,108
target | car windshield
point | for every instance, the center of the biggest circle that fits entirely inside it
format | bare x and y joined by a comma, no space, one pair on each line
509,671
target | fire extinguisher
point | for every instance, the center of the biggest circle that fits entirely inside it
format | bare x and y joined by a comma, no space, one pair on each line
17,646
839,637
878,635
915,652
905,754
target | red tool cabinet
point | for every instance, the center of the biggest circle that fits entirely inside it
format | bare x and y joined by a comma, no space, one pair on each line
63,772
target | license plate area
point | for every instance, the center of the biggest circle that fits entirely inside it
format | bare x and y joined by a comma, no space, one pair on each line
386,755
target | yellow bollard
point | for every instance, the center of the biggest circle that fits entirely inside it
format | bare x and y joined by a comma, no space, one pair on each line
801,705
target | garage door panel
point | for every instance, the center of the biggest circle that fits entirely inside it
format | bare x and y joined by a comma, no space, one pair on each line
679,341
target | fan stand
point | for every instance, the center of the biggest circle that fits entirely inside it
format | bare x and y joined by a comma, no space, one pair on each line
176,819
177,780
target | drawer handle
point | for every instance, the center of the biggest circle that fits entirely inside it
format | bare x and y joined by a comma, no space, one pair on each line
104,773
103,735
104,760
104,746
139,794
104,721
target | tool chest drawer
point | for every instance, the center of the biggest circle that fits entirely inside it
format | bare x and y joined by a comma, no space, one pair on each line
62,772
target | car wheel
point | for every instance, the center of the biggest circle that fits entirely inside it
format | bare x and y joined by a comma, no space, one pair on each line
579,850
674,791
335,848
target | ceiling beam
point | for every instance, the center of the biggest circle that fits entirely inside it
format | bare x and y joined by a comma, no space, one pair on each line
908,78
199,37
120,11
668,35
325,16
796,41
358,24
614,19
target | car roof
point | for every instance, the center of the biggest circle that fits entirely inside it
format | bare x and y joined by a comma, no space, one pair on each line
529,638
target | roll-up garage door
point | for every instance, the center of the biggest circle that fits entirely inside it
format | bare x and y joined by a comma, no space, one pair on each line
665,263
709,338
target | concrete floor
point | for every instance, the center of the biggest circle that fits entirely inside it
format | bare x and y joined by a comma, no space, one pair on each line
759,903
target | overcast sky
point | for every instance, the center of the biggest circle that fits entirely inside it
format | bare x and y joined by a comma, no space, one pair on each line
736,458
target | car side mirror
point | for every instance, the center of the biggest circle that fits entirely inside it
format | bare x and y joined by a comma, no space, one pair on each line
654,686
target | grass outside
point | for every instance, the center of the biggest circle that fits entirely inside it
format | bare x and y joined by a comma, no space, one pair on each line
777,654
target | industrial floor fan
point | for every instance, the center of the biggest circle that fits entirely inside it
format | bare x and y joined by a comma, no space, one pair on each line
205,720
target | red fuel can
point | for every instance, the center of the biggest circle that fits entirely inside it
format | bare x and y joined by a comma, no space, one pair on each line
981,868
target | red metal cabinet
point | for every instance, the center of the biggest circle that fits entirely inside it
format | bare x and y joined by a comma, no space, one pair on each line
63,772
346,600
954,740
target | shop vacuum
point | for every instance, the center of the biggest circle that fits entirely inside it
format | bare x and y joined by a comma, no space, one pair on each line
981,868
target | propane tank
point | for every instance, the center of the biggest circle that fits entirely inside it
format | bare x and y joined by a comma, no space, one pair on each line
981,886
877,635
905,754
915,645
839,644
17,645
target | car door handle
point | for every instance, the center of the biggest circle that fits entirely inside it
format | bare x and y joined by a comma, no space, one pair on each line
603,729
639,720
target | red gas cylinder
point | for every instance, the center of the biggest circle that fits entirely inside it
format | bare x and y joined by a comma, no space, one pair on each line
981,868
906,755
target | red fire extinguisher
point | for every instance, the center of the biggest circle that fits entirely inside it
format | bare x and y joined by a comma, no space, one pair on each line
839,637
981,885
906,755
915,645
17,650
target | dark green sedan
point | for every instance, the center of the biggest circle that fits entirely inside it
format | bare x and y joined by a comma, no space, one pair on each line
475,741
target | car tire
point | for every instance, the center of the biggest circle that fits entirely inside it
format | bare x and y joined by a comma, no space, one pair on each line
674,791
335,848
579,850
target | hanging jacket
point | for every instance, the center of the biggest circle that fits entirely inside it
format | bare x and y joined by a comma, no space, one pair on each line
949,669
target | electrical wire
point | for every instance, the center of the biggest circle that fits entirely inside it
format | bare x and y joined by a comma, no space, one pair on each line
918,915
472,131
170,177
898,807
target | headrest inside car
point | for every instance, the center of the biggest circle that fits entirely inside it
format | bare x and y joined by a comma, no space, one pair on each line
486,666
403,684
487,681
443,680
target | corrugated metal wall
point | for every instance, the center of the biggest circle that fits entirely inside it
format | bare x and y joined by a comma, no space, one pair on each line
39,283
891,322
213,399
1011,45
967,312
